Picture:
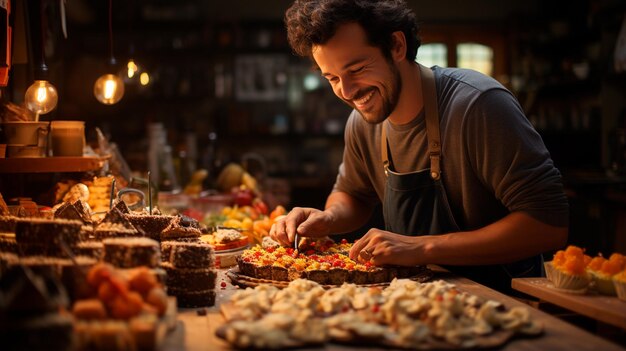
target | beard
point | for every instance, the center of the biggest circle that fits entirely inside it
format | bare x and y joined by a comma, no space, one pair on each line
389,94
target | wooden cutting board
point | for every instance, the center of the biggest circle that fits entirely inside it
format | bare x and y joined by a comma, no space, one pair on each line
608,309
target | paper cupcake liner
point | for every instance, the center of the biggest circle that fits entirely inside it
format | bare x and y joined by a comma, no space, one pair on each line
604,285
565,281
620,289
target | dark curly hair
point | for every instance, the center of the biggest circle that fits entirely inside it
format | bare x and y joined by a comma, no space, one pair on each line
314,22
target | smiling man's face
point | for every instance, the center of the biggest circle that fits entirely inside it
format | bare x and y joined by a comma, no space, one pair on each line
359,73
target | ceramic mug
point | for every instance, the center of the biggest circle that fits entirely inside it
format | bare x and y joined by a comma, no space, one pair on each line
68,138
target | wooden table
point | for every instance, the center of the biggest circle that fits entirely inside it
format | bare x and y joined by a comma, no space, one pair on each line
197,333
607,309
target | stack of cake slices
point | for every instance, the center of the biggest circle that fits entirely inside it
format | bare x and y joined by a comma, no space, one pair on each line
191,272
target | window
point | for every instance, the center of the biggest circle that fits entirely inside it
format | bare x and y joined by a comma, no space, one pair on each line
475,56
433,54
482,48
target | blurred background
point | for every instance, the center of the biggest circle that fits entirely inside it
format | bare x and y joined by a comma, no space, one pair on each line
216,83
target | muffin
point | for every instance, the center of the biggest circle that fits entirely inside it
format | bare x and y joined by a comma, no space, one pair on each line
567,270
603,270
619,282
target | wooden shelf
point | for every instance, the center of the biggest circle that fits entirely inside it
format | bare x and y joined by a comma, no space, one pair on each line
50,164
607,309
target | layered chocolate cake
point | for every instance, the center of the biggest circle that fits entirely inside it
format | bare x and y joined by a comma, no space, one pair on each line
187,255
151,225
132,252
47,237
191,273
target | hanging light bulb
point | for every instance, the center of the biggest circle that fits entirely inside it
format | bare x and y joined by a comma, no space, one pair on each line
109,88
41,97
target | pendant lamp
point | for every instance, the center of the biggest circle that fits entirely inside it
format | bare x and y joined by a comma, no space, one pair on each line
109,88
41,97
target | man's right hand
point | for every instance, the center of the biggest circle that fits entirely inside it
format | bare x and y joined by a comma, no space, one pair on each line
302,220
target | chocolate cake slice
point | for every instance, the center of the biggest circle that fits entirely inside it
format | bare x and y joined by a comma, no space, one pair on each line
132,252
337,276
151,225
8,243
74,277
93,249
114,230
246,268
67,211
7,224
176,230
279,273
121,206
184,298
320,276
188,255
47,236
190,279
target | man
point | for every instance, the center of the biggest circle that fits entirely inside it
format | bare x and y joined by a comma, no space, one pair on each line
464,179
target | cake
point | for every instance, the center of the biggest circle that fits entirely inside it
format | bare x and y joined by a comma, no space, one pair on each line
114,230
324,264
151,225
7,224
567,270
187,255
189,279
131,252
36,236
619,281
191,273
32,307
73,211
8,242
603,270
94,249
74,274
175,230
225,239
190,299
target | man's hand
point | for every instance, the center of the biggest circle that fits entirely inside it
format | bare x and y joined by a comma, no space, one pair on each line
304,221
381,247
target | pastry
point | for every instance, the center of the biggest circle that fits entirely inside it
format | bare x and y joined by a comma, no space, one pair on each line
567,270
324,263
131,252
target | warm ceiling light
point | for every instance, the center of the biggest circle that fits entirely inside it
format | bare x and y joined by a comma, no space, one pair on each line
41,97
109,88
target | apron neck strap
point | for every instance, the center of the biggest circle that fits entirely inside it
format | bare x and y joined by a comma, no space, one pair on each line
429,95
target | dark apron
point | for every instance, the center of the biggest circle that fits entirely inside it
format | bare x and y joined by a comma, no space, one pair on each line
415,203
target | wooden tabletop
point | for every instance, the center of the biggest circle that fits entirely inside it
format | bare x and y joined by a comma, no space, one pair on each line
608,309
196,332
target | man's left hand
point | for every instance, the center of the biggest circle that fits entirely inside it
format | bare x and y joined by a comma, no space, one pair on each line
382,247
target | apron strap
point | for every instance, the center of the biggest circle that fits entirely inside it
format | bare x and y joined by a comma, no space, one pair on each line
429,94
432,121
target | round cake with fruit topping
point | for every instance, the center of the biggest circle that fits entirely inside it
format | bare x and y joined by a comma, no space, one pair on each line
324,262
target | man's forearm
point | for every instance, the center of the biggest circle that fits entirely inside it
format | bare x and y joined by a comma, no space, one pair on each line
512,238
348,213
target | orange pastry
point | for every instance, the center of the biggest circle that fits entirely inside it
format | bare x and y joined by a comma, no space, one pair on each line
568,269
